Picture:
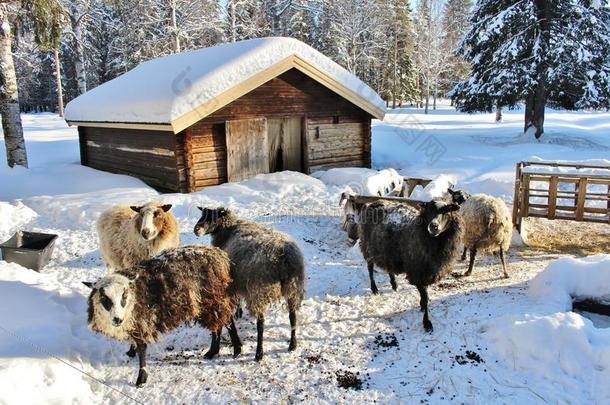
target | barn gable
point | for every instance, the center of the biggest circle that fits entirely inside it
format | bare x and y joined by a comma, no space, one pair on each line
175,91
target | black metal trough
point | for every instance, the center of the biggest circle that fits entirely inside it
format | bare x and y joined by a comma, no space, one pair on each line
29,249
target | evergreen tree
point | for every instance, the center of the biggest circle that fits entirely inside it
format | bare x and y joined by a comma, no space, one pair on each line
543,52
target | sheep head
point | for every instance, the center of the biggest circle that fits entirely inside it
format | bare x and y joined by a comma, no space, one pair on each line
150,219
436,215
211,219
458,196
111,302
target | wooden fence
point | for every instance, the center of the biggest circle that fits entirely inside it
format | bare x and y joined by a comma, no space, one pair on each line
552,190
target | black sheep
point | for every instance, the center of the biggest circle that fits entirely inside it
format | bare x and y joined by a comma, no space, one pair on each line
422,244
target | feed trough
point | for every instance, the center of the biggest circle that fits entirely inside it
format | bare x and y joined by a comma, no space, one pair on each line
29,249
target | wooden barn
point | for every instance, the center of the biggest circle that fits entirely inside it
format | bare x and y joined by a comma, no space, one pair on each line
200,118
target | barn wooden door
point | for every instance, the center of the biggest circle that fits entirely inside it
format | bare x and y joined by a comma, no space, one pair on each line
285,140
247,148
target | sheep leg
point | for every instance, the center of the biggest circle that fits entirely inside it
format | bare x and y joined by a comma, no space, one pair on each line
215,345
235,341
372,278
293,330
503,260
260,328
132,351
423,293
464,253
142,374
239,312
473,255
393,282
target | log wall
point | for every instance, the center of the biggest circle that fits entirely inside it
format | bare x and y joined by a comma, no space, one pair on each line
152,156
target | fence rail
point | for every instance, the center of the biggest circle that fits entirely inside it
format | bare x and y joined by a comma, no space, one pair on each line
567,193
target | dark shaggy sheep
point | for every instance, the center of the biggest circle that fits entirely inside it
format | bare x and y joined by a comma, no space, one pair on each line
265,265
181,285
422,244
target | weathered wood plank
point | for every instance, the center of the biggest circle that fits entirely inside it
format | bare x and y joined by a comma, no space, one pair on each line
552,199
247,148
580,201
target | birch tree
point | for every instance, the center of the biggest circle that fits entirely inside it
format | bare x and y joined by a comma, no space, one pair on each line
47,18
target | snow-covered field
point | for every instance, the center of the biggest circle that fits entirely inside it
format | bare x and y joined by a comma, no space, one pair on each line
495,340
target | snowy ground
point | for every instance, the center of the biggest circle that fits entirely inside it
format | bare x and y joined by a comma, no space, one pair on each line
47,354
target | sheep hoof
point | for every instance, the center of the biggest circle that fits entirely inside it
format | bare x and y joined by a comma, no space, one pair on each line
142,377
210,354
236,351
375,291
239,313
428,326
292,346
131,352
259,356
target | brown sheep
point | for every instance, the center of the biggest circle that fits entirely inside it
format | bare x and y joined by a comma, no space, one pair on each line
182,285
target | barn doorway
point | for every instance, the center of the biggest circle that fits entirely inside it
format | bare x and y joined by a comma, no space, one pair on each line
263,145
285,144
247,148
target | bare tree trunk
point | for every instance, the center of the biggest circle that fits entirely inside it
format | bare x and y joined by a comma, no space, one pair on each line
529,112
538,108
79,52
435,94
233,19
498,113
427,97
9,97
176,36
395,83
60,96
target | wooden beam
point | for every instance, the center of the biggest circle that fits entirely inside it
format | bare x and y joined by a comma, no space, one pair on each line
581,199
126,125
366,199
552,198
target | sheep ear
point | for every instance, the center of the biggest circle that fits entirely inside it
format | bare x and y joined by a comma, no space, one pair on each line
135,208
450,191
89,284
133,280
200,209
166,207
343,198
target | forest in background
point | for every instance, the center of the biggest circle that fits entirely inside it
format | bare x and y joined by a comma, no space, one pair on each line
404,53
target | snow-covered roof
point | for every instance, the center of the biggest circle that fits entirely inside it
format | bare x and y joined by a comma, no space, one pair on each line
178,90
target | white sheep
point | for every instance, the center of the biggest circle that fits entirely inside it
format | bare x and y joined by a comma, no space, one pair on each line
129,235
487,226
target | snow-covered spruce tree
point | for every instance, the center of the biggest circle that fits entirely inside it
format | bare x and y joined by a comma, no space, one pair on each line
47,18
543,52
